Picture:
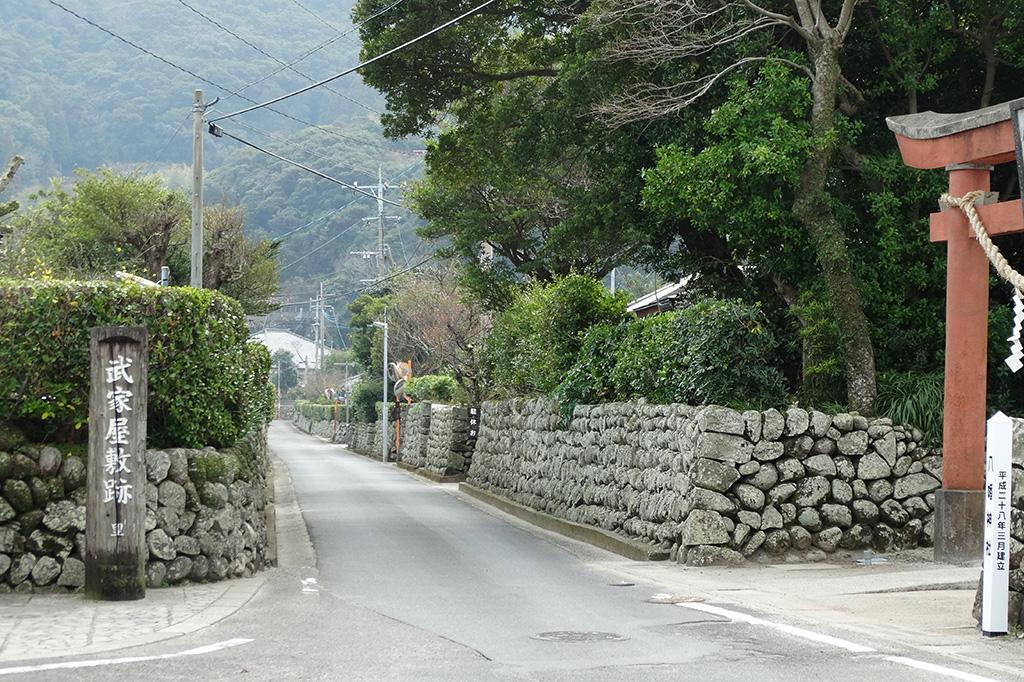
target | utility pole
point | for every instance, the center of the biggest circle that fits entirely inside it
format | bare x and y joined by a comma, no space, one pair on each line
198,109
384,408
613,280
383,252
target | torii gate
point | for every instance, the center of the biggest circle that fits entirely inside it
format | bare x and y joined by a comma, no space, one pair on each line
968,146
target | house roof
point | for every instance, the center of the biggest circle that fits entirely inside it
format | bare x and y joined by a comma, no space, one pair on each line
657,298
303,350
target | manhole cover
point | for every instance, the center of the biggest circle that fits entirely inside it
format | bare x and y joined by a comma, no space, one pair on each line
664,598
622,583
579,636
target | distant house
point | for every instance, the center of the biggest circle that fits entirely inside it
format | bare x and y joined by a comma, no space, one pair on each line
659,300
303,350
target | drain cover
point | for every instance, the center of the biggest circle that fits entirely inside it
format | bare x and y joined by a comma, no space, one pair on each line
663,598
622,583
579,636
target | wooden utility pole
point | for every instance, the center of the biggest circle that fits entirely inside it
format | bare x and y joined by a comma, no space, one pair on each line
198,109
115,520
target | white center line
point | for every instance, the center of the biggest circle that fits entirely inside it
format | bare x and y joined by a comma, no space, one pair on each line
70,665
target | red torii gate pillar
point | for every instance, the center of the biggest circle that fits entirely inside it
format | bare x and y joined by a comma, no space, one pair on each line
967,146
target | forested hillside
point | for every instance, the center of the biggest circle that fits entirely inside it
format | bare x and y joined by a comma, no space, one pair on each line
73,96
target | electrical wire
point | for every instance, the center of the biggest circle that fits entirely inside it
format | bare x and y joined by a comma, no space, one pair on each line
317,48
342,208
372,60
217,131
314,250
263,52
298,145
197,76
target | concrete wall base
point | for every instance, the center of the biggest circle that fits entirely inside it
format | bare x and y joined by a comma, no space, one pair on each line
959,522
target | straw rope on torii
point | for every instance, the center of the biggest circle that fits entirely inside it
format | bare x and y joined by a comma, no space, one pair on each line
967,204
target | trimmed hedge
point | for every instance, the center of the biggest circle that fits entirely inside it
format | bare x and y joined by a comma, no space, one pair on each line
207,384
316,411
433,388
714,352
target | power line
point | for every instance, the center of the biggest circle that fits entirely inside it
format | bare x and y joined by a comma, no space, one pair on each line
217,131
315,15
314,250
263,52
317,48
342,208
193,73
372,60
298,145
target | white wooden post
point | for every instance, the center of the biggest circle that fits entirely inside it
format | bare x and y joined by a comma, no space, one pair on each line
996,563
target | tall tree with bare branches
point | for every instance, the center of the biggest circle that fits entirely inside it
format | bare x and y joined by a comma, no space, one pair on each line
695,34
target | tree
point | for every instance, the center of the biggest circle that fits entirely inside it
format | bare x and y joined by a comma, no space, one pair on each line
5,180
656,31
520,168
283,373
112,221
434,322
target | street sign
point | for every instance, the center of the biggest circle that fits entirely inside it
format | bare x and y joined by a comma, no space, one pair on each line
996,561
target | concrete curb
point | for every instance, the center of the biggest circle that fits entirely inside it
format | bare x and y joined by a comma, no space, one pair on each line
570,529
432,475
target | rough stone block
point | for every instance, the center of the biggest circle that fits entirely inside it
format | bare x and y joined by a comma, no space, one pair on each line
703,527
724,447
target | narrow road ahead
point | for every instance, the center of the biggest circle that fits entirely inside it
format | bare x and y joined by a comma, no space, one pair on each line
412,581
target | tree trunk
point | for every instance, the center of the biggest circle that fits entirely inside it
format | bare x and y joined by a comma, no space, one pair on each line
812,208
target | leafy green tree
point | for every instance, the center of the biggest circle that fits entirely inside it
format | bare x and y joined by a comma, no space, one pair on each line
111,221
283,372
536,339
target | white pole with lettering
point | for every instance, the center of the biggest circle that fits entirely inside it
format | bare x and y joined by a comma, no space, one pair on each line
996,562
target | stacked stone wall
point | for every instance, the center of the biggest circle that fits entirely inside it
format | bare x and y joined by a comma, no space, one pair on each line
204,515
712,484
417,421
451,445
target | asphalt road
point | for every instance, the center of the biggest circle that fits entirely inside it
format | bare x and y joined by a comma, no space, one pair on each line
412,581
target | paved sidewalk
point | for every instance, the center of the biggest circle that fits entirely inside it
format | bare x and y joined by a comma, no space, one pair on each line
53,625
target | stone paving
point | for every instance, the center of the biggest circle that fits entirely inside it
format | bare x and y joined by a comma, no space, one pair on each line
51,625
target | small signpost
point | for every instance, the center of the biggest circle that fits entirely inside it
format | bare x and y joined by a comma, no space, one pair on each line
996,562
115,548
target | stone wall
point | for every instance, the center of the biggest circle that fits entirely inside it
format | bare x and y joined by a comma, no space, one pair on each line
450,447
417,421
204,515
715,485
437,438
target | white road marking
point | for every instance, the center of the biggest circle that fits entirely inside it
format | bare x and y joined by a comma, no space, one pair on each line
70,665
941,670
834,641
789,629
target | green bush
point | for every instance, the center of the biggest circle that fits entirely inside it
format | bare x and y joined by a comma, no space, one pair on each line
207,384
535,341
318,412
433,388
712,352
913,398
365,398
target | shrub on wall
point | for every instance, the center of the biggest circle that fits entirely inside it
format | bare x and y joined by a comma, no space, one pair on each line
534,342
712,352
365,397
315,411
433,388
207,384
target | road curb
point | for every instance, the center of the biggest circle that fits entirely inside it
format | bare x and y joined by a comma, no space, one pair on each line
570,529
432,475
